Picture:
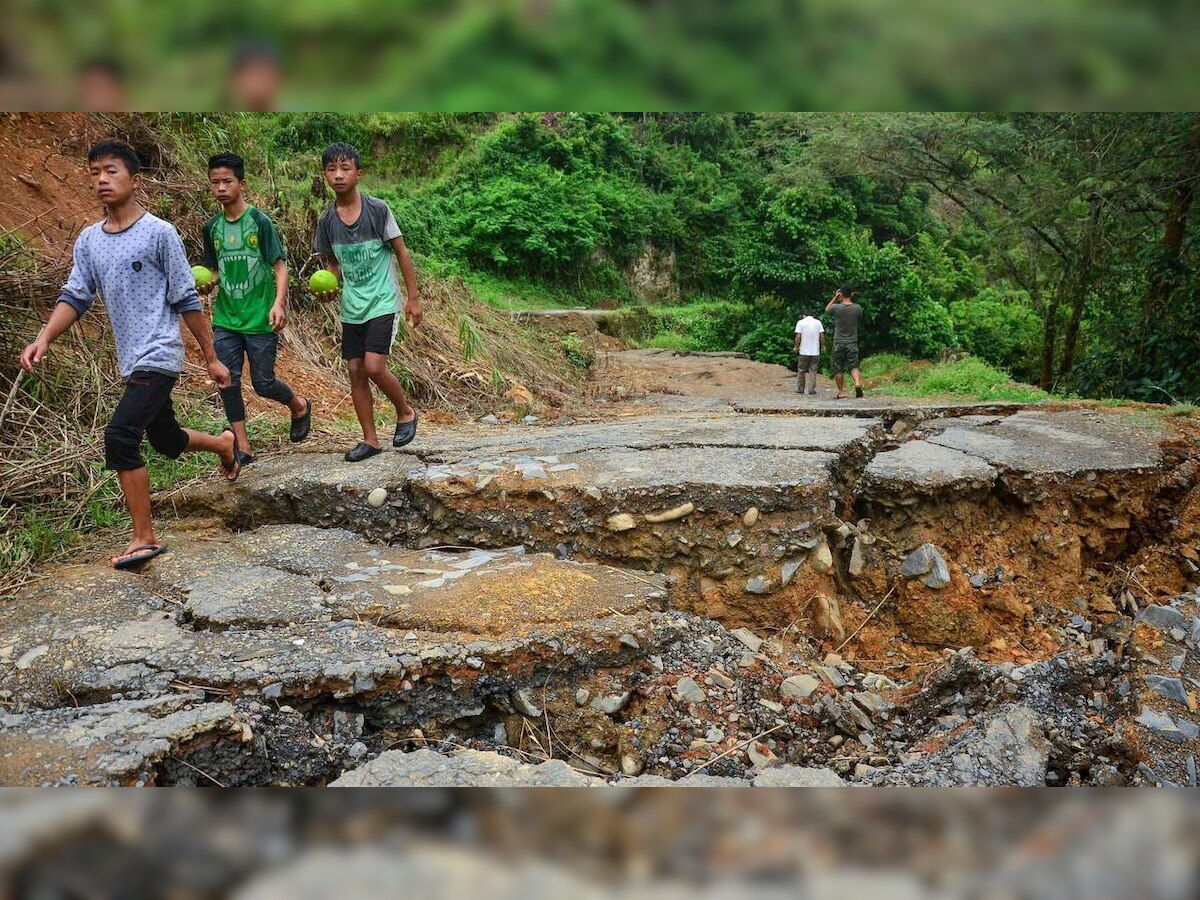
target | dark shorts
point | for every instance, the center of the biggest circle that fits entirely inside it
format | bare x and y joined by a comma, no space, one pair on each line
145,410
373,336
844,358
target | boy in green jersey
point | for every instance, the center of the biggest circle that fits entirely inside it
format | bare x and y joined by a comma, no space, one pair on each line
358,236
243,247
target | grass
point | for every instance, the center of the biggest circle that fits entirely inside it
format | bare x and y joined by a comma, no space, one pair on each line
501,292
970,378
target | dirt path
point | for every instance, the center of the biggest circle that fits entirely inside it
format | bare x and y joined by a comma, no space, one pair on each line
728,582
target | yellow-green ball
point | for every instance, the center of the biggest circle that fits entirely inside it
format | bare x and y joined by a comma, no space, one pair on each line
203,275
322,281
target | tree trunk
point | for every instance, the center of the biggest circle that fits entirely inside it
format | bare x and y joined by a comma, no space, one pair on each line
1049,339
1182,194
1083,285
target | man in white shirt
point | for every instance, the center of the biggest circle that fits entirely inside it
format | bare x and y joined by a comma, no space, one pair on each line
810,344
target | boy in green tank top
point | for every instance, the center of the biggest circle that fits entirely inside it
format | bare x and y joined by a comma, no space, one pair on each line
243,248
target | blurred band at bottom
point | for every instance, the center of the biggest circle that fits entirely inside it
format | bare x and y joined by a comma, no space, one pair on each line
439,843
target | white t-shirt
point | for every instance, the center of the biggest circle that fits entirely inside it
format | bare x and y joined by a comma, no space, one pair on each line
810,331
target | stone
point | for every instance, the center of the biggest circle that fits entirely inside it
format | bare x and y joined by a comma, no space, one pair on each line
758,584
788,570
526,704
870,703
670,515
621,522
827,617
489,419
32,655
761,756
750,517
858,562
377,497
581,696
688,691
1162,617
357,750
920,561
821,559
463,768
721,679
611,703
1171,688
632,764
747,638
1161,724
797,776
800,687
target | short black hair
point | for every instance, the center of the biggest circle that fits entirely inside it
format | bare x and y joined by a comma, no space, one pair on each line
340,150
228,161
105,64
255,51
121,150
846,290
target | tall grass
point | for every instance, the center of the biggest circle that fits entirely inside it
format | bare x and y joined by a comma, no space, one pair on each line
970,378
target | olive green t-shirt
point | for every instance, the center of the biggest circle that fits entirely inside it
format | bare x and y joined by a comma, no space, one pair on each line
244,253
363,249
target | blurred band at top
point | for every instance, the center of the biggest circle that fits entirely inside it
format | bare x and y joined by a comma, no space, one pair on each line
358,55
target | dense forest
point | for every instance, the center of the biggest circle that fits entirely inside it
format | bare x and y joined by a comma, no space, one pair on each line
1055,246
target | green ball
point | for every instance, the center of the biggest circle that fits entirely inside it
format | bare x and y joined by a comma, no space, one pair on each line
203,275
322,281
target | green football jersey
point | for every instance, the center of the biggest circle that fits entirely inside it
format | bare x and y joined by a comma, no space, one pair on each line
244,253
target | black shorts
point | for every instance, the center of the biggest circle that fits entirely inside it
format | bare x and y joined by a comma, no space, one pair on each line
373,336
144,410
844,358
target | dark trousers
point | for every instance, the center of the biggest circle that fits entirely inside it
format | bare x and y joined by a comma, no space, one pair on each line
232,348
145,410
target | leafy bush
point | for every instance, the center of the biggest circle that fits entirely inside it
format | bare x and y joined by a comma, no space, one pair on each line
1001,327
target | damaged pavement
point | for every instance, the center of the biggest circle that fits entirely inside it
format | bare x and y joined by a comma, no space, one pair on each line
700,595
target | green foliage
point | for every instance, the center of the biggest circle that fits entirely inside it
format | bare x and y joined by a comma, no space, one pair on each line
1001,327
578,353
470,341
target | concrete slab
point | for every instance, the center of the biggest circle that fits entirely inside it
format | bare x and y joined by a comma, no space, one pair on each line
107,744
924,466
1065,442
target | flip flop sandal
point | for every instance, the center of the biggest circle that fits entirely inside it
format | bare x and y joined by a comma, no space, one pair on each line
127,561
405,431
302,425
232,471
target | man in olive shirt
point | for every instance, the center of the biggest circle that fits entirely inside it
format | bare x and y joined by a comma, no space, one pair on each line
846,316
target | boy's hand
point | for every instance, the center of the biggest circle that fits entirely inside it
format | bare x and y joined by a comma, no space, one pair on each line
277,317
218,372
210,288
34,354
325,295
413,312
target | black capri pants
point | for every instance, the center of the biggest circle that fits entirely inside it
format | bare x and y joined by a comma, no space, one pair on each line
145,409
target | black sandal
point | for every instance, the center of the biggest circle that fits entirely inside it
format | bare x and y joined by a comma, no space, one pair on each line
232,471
405,431
362,450
132,561
302,425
